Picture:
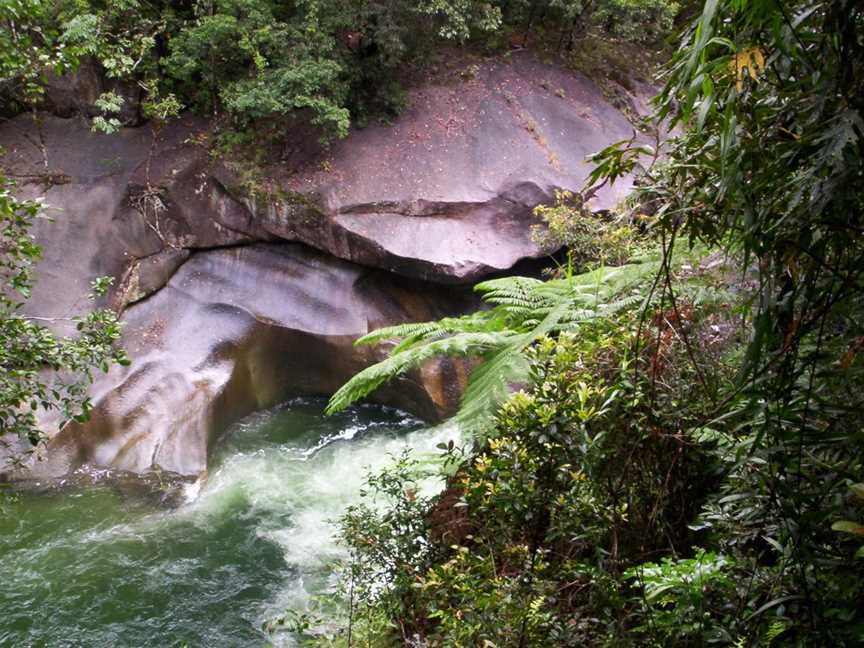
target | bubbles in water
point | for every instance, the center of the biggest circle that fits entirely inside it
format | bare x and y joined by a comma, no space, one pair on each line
254,539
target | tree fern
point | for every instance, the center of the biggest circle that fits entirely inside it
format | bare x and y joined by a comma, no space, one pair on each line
523,310
371,378
489,384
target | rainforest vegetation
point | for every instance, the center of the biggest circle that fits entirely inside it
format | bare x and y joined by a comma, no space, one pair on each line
328,62
663,434
681,466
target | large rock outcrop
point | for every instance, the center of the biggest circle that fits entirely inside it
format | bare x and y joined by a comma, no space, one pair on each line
240,329
238,291
446,193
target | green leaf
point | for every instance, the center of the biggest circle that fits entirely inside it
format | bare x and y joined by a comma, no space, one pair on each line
847,526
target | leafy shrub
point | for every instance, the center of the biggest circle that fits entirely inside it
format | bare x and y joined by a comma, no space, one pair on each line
638,20
39,370
390,549
329,61
591,239
580,478
684,598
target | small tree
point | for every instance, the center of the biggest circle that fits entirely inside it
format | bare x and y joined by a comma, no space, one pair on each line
41,371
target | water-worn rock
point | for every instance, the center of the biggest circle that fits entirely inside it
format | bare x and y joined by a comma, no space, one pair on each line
237,330
220,319
446,192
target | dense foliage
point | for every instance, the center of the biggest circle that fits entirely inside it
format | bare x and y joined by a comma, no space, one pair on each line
324,61
524,310
686,473
41,372
578,483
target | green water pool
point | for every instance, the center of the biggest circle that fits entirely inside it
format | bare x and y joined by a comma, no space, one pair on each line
106,564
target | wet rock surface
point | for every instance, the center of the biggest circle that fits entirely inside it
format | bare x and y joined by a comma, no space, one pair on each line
236,296
159,489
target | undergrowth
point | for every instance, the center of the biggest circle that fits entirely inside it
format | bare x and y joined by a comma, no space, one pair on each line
600,509
681,465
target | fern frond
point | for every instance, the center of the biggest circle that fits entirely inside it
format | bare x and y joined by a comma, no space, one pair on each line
373,377
489,384
474,323
524,310
418,331
514,285
621,304
518,297
488,387
409,329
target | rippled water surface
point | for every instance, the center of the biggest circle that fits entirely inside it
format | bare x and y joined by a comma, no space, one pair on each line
109,565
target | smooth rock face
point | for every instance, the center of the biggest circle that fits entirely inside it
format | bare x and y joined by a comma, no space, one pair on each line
223,315
446,193
515,123
106,218
240,329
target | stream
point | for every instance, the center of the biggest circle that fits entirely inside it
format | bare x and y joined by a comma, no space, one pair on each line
109,563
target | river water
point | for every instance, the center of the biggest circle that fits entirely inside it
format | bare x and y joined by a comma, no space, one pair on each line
108,565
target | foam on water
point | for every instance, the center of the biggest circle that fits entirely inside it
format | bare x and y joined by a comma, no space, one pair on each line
92,568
